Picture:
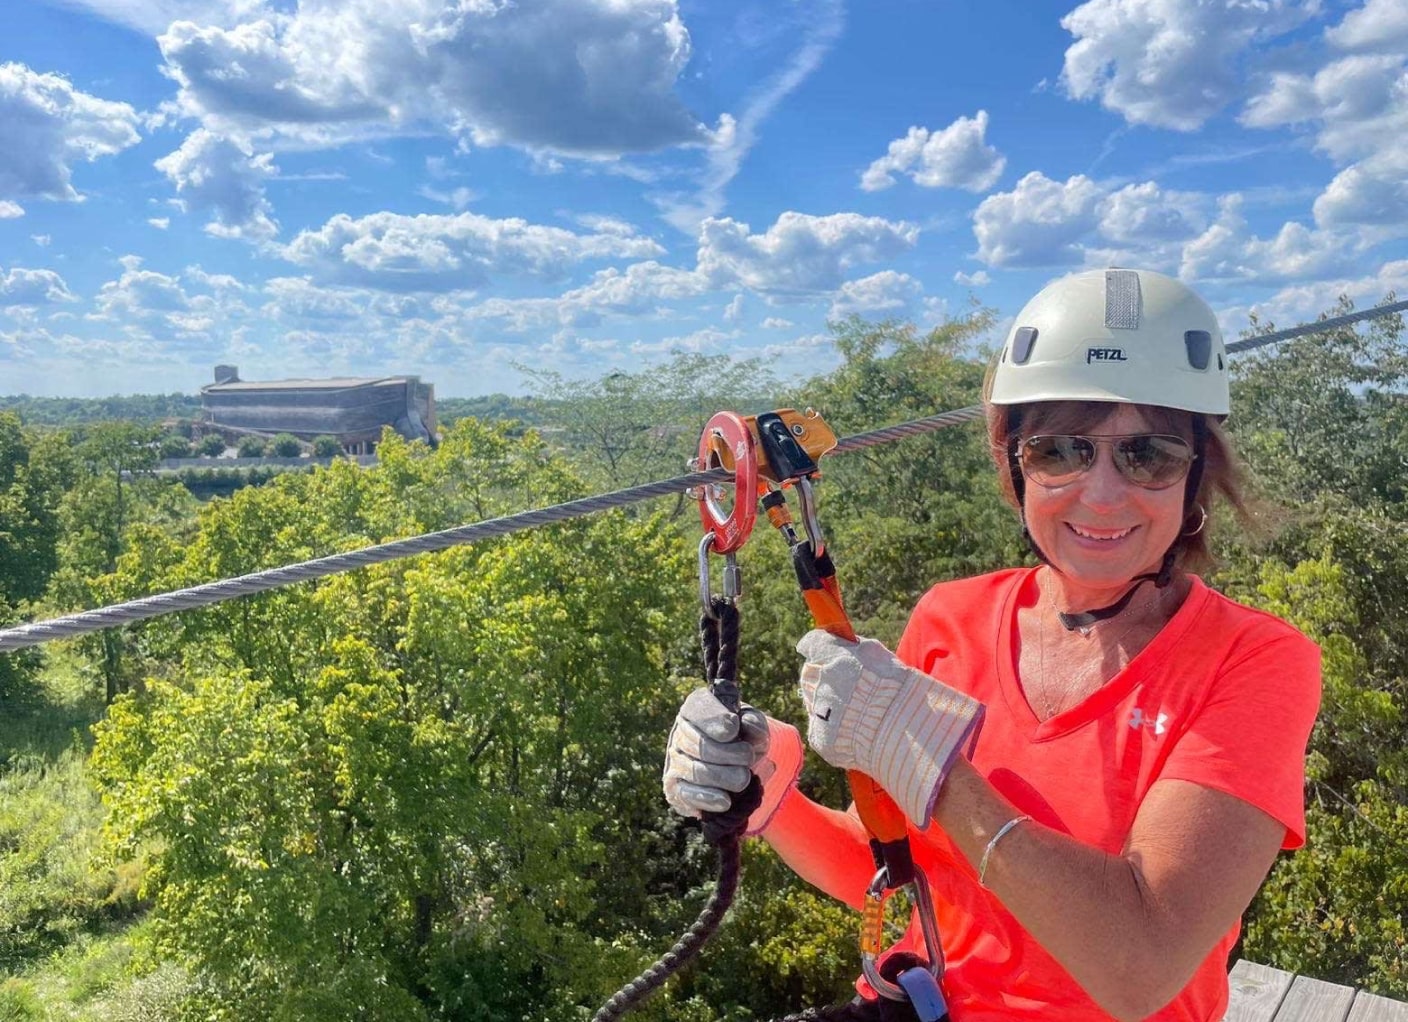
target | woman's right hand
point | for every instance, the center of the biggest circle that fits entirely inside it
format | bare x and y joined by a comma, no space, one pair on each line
713,753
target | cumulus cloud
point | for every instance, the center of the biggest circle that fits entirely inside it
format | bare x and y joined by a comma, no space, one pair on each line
1039,223
582,77
1228,250
223,176
1168,63
955,157
449,253
150,306
799,255
1046,223
20,286
10,210
979,279
638,290
46,126
1356,105
1378,25
886,292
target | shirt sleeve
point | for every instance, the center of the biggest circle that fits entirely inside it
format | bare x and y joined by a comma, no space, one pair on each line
1249,737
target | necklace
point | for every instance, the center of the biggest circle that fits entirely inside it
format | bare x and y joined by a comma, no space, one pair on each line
1113,644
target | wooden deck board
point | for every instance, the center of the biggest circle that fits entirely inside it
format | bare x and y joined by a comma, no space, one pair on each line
1259,993
1373,1008
1314,1000
1256,992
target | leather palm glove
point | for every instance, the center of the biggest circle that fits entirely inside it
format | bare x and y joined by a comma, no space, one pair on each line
713,753
869,711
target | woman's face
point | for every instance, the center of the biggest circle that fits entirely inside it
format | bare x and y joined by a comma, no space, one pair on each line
1100,529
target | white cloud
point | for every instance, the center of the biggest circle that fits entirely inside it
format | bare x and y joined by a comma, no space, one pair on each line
581,77
1303,302
734,310
20,286
979,279
298,299
1039,223
1227,250
777,323
152,16
1169,63
955,157
225,177
1050,223
46,125
1357,107
449,253
799,255
885,292
709,339
1378,25
161,223
10,210
637,290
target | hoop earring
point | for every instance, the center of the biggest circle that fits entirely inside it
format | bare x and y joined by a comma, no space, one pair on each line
1202,521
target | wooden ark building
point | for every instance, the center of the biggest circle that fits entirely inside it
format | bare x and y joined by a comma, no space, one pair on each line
352,409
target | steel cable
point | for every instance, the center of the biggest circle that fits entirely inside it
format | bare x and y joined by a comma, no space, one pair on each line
84,622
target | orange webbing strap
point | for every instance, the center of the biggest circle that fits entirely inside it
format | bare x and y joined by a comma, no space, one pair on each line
882,818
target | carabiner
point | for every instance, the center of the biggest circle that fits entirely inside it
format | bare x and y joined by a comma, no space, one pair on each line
873,926
727,443
733,578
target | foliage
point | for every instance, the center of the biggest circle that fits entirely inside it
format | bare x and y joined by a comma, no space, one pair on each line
174,445
148,409
252,447
631,428
284,445
212,445
326,447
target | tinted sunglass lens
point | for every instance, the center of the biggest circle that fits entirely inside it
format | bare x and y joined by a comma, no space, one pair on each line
1055,459
1153,461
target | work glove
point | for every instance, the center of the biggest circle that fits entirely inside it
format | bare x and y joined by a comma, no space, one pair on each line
868,711
713,754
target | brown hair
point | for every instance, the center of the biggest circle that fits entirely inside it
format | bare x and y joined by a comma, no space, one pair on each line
1222,470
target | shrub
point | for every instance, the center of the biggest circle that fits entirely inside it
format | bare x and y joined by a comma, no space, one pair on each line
326,447
212,445
285,445
252,447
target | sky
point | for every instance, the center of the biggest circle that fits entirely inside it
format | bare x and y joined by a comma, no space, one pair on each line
476,190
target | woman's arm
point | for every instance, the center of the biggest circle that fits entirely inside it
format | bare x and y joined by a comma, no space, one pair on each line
1132,928
827,848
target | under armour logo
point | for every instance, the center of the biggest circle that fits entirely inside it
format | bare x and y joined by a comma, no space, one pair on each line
1158,724
823,716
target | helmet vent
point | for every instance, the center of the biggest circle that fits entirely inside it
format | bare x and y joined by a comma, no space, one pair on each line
1199,345
1122,303
1022,342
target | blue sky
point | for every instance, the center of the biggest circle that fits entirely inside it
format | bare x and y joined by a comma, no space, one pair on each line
458,187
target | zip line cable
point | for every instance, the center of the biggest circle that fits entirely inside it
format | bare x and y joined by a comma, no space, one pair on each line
84,622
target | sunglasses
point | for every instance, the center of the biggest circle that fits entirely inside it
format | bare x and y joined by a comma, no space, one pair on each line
1153,461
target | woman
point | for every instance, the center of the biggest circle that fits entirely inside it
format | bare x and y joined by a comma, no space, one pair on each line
1140,739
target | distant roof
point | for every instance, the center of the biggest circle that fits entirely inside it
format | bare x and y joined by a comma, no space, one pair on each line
336,383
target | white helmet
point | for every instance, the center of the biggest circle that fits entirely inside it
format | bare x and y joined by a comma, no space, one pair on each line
1131,336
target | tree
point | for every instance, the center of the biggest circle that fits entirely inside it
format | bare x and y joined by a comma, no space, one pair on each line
326,447
212,445
174,445
285,445
34,468
325,734
252,446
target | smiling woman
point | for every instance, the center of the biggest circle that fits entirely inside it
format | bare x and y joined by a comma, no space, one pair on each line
1141,755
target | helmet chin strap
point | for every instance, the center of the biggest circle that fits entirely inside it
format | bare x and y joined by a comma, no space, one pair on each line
1085,620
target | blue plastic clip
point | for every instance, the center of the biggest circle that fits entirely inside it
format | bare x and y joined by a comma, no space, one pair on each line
924,994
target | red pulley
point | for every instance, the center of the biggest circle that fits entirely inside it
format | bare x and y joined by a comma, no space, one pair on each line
727,443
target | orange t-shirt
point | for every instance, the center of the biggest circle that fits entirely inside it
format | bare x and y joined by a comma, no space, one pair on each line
1224,696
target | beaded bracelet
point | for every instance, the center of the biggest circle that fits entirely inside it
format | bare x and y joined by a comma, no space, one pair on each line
987,852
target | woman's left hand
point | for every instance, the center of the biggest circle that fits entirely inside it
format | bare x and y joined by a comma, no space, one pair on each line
868,711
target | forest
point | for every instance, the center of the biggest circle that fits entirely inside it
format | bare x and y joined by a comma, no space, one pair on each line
429,790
